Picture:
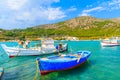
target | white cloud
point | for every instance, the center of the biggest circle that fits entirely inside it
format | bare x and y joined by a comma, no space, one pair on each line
42,14
24,16
110,5
44,2
92,9
72,8
41,9
86,12
54,13
15,4
18,13
104,6
21,4
114,2
113,5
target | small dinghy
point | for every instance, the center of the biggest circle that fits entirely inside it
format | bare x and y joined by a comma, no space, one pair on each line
62,62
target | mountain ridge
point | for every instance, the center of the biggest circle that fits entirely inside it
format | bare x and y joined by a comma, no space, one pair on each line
83,21
84,27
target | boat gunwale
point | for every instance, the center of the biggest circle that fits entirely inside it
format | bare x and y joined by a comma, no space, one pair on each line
71,57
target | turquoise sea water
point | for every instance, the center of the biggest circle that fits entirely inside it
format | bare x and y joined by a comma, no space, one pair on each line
103,64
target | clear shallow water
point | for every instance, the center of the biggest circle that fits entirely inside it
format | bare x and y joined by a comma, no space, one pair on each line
103,64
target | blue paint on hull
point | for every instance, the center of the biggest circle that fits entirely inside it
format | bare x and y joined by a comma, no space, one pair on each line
58,63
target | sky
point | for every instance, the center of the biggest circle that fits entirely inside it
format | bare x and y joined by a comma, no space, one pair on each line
21,14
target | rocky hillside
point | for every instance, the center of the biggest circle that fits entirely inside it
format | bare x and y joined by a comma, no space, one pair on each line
84,27
117,20
84,22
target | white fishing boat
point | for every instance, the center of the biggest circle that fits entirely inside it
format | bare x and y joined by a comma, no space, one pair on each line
47,47
115,41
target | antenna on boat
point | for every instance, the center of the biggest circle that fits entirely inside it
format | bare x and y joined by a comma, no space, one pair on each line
58,51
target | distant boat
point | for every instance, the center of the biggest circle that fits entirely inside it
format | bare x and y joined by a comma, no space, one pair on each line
72,39
1,72
47,47
115,41
62,62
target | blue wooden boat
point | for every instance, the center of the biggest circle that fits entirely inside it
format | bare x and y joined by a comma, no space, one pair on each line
62,62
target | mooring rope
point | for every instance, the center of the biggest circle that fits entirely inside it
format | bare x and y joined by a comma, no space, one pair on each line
21,65
37,70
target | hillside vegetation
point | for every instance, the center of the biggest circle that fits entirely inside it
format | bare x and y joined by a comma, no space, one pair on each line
82,27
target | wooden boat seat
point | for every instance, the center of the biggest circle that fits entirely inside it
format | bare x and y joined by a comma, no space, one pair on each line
44,58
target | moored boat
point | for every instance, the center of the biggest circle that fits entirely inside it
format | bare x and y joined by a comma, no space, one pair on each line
115,41
47,47
62,62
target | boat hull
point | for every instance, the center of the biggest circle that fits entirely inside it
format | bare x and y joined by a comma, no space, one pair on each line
44,72
15,51
114,41
65,63
107,44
